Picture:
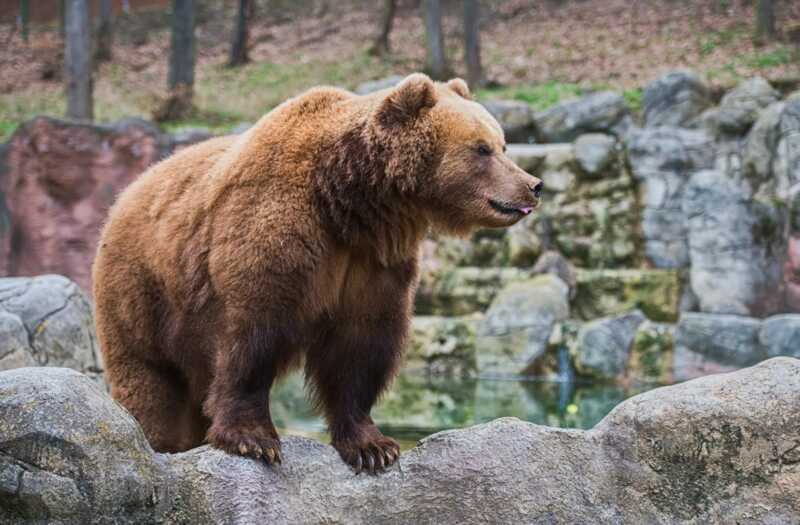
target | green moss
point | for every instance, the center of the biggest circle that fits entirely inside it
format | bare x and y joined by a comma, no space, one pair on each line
768,59
539,96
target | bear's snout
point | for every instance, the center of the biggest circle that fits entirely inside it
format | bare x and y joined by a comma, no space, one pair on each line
536,189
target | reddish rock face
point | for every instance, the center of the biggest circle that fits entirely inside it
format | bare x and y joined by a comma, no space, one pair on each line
57,182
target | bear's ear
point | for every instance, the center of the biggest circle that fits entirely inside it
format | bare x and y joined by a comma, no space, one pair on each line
460,87
407,100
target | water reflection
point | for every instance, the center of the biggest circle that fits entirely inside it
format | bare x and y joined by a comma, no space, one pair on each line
419,405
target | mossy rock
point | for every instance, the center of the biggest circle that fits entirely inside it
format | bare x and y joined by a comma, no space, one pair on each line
602,293
651,354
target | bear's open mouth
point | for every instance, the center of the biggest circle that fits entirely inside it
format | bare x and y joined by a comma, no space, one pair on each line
510,209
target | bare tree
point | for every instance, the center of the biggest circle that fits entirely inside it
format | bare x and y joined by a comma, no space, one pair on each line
241,34
104,34
180,79
78,60
24,19
436,64
472,43
765,19
380,47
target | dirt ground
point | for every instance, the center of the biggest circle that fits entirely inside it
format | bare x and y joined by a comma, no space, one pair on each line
610,43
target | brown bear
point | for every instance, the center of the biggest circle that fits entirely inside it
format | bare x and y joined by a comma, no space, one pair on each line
236,259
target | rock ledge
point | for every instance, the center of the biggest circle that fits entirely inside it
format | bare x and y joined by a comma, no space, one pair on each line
723,448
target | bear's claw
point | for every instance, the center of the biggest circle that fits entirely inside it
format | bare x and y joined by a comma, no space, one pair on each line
251,443
372,456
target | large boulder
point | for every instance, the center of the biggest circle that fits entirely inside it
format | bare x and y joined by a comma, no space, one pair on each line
515,117
47,321
712,343
604,112
674,99
517,325
57,181
719,449
736,246
603,345
662,160
69,454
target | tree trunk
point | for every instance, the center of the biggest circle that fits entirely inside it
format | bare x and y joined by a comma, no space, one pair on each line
241,34
24,19
78,60
765,20
472,43
381,45
62,19
105,34
180,80
434,38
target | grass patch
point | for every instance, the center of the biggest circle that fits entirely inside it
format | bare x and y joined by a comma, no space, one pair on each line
633,98
539,96
224,97
776,57
7,129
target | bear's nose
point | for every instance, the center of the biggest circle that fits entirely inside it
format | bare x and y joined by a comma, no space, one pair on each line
537,189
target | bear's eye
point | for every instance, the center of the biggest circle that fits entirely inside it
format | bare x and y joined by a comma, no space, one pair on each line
505,148
484,150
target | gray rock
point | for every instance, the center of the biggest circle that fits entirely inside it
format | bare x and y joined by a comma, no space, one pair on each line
760,146
736,245
517,325
46,321
780,335
377,85
595,153
72,455
741,106
604,111
662,160
772,151
711,343
674,99
603,345
719,449
556,264
515,117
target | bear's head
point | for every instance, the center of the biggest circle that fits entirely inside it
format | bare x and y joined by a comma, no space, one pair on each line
451,152
419,155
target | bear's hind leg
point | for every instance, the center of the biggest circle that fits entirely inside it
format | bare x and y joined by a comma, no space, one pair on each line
157,397
368,354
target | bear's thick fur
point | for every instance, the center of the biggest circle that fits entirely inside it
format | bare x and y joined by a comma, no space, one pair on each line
235,259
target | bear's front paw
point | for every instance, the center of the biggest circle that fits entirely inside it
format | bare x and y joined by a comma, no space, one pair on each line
372,454
254,442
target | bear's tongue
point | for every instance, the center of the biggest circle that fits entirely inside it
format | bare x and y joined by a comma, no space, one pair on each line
526,210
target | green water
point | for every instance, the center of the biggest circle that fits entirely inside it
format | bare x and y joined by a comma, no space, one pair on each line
418,405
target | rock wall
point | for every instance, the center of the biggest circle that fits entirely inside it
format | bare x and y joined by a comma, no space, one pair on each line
721,449
57,181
